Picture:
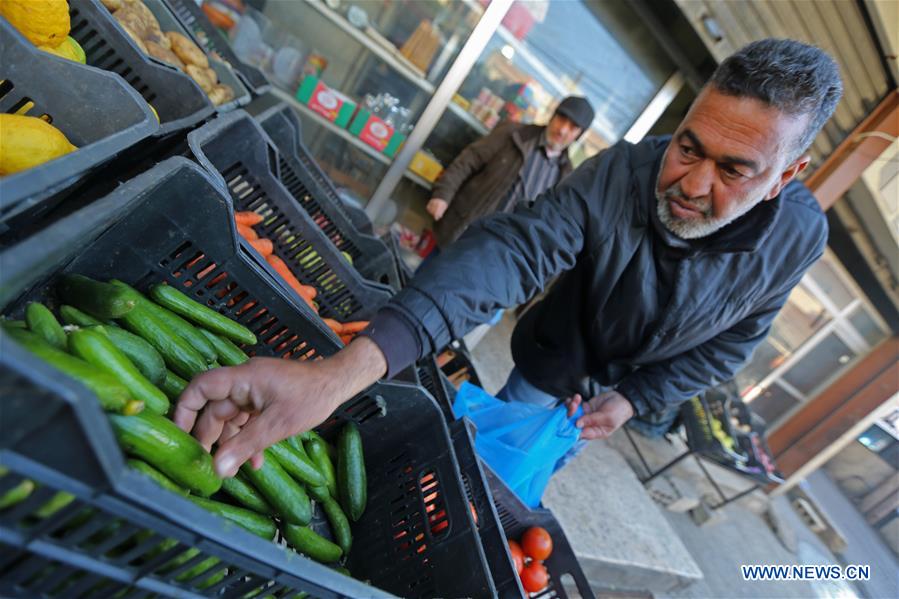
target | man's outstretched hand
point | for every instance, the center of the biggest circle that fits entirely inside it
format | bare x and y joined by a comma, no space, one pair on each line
603,415
247,408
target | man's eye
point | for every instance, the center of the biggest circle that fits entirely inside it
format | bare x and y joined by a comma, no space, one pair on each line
731,172
687,151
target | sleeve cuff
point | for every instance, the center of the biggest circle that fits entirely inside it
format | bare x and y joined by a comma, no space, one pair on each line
395,338
627,389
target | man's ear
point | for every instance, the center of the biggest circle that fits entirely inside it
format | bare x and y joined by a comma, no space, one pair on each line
788,175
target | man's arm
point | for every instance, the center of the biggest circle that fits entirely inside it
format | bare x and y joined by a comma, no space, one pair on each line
469,161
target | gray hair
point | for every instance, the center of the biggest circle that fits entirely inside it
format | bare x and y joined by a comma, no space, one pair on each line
796,78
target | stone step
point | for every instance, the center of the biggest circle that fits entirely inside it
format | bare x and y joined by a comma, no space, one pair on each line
621,539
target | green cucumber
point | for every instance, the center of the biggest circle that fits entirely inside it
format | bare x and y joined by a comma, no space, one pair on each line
280,491
173,385
317,450
228,353
17,494
340,526
140,352
169,297
244,493
92,345
297,464
59,500
113,395
309,435
101,300
159,442
256,523
13,324
42,322
178,355
158,477
306,541
351,479
74,316
178,325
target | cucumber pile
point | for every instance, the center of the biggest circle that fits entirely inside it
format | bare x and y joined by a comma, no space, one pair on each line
137,353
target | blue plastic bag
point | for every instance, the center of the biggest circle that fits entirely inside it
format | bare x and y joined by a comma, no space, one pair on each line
520,442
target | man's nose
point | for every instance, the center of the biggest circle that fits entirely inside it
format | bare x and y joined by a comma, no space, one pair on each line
698,182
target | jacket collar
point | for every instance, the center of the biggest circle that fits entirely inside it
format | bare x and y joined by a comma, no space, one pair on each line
527,138
746,234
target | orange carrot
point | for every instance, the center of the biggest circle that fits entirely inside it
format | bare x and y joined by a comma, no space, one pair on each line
308,291
346,339
247,219
263,246
334,325
354,327
282,269
247,233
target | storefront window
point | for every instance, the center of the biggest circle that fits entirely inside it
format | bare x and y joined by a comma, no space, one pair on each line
817,367
802,315
825,326
773,403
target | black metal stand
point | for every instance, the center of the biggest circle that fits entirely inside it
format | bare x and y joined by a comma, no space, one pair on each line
697,455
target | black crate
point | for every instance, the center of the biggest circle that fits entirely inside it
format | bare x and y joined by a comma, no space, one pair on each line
490,530
226,75
211,39
436,383
371,256
174,224
236,149
179,102
564,571
108,117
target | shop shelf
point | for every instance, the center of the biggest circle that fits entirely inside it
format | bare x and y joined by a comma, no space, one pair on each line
106,117
211,39
236,150
370,255
174,224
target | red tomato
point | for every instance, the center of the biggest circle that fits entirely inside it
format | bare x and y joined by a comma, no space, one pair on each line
537,543
517,556
534,577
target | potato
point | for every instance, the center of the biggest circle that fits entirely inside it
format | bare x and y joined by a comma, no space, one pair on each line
135,38
146,16
205,78
186,50
221,94
112,5
164,54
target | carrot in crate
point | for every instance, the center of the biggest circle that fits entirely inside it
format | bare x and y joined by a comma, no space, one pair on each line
247,218
351,328
346,339
247,233
334,326
281,268
263,246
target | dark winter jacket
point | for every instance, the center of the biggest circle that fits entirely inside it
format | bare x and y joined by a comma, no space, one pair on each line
478,181
659,318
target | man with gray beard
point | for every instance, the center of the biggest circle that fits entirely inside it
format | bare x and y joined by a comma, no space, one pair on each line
674,256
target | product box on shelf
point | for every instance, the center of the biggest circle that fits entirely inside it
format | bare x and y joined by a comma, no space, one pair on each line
325,101
377,133
424,164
